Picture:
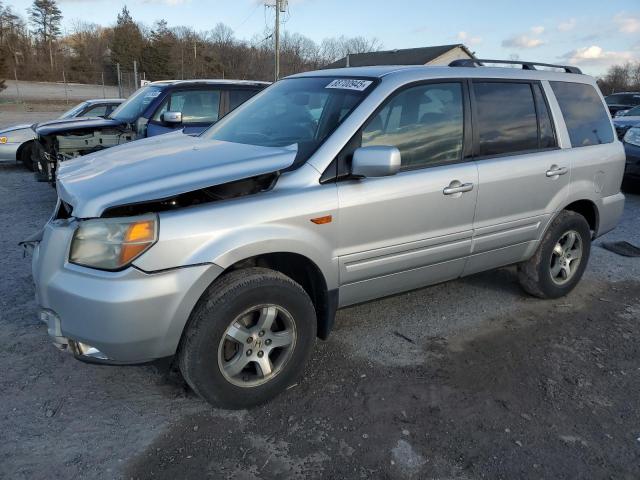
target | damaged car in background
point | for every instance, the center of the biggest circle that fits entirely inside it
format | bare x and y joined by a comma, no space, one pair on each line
189,106
17,141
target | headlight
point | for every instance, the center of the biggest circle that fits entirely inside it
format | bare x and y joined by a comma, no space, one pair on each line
112,243
633,136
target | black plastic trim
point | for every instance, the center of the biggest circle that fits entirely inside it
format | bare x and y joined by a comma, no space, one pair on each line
479,62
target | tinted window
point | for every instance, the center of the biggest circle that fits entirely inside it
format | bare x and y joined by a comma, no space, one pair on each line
623,99
97,111
425,123
547,135
584,114
196,106
506,118
238,97
634,112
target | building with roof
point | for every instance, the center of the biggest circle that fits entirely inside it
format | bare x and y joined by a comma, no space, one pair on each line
436,55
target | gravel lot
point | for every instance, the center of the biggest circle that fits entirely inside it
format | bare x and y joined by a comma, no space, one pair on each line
470,379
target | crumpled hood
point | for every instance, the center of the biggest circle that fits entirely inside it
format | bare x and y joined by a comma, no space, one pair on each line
70,124
160,167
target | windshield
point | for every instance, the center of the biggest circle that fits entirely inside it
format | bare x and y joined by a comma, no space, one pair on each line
302,111
74,111
634,112
623,99
132,108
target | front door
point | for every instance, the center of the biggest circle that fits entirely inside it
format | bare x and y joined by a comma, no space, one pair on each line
413,228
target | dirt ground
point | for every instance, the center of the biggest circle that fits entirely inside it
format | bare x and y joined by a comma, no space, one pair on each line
464,380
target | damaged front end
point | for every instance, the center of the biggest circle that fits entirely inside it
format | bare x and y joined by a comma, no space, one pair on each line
62,144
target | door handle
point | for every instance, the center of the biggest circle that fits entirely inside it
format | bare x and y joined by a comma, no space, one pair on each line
457,187
555,171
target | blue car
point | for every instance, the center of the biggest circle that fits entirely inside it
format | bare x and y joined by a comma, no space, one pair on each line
189,106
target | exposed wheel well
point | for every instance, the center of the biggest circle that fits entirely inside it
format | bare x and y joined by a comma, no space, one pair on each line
21,150
588,210
305,272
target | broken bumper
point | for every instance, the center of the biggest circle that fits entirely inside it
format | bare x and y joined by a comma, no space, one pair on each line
113,317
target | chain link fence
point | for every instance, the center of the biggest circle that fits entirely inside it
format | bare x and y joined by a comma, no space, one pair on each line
73,86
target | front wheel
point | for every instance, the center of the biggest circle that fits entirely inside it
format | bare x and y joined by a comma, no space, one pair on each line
561,258
248,338
26,156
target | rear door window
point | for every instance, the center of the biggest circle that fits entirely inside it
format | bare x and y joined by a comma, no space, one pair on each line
584,114
506,118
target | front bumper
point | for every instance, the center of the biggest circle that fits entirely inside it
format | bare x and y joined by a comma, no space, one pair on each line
632,168
122,317
9,151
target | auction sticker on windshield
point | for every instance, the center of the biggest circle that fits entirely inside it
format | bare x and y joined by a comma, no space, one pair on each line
350,84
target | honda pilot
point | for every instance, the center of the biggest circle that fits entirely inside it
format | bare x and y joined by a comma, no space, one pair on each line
231,251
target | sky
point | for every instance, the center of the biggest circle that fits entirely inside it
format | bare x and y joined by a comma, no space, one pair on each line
592,34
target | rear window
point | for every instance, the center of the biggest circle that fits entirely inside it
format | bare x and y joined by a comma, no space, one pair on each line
507,120
584,114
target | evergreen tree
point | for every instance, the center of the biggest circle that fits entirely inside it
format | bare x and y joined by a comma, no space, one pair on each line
45,17
128,42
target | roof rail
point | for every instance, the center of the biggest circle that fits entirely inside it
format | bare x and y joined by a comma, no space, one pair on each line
479,62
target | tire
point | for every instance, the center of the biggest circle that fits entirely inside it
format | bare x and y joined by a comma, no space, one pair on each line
26,156
558,265
210,359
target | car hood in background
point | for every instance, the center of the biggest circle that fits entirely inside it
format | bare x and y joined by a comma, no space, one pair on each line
626,121
69,124
13,128
161,167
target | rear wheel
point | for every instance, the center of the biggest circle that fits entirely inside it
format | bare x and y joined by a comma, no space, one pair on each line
248,338
561,258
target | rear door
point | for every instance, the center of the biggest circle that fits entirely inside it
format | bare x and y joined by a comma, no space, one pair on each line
410,229
523,176
200,107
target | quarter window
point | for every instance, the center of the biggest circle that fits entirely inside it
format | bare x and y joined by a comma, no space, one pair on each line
425,123
584,114
506,117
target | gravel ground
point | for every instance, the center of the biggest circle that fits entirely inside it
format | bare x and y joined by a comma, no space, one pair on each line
469,379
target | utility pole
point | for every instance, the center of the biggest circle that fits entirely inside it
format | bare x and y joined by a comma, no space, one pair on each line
280,6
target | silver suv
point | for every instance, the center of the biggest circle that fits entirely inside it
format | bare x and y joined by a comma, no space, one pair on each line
232,251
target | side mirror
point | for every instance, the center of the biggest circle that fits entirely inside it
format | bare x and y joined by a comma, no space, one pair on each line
172,117
375,161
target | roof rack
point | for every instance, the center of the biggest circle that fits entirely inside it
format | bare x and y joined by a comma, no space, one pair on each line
479,62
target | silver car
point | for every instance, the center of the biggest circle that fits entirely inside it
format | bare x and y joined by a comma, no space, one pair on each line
231,251
16,142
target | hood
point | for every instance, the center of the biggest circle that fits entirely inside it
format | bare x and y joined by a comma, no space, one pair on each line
626,121
160,167
70,124
13,128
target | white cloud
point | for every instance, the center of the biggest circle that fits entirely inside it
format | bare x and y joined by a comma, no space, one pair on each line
597,57
567,25
627,23
468,39
537,30
522,41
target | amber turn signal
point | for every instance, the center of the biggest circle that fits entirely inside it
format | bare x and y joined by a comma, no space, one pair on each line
322,220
